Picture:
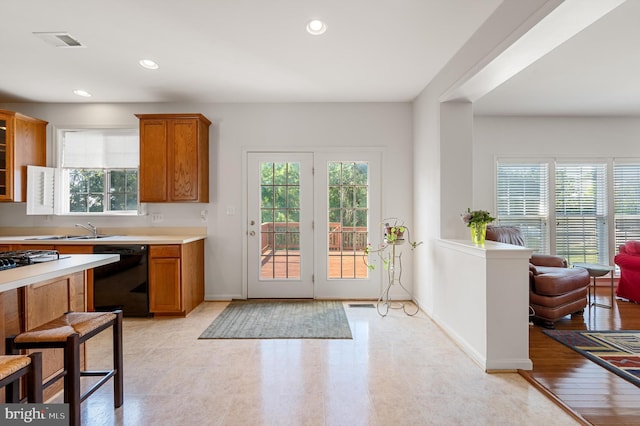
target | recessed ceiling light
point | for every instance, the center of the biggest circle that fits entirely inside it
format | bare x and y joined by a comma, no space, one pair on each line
82,93
316,27
149,64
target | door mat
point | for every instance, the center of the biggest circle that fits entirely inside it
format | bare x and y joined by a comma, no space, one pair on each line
282,319
617,351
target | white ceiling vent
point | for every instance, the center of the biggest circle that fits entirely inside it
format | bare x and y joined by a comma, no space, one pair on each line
59,39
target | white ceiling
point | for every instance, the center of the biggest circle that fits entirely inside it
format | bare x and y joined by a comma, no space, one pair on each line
596,72
258,51
231,50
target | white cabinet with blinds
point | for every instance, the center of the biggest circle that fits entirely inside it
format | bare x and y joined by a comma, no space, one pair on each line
41,187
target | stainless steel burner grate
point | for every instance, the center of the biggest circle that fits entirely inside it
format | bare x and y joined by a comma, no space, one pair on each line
12,259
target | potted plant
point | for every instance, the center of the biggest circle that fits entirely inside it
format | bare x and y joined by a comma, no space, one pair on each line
389,251
393,235
477,221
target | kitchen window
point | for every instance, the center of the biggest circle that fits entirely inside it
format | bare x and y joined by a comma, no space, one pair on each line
97,174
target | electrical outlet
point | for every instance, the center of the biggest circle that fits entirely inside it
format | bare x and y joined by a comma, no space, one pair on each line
203,215
156,217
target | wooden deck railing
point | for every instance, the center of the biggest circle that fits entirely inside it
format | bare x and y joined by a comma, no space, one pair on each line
278,236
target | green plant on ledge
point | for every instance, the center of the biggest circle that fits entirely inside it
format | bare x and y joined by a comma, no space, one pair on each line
393,235
472,217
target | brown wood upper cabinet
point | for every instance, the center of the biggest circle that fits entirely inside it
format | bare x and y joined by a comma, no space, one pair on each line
174,158
23,142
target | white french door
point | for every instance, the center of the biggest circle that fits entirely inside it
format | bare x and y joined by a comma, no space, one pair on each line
306,231
347,219
280,228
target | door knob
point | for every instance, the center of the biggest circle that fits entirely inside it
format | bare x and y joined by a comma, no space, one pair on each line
252,233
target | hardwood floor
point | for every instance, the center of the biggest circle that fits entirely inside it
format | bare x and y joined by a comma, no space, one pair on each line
594,394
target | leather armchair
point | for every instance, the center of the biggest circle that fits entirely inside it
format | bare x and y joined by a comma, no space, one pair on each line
628,259
554,289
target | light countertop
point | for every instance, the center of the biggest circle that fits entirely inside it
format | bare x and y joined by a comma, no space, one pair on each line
115,239
39,272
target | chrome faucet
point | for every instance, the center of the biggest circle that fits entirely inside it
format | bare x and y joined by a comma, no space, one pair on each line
91,228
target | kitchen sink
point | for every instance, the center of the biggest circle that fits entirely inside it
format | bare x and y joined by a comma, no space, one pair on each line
69,237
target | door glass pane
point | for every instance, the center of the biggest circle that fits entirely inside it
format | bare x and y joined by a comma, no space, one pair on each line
280,217
348,215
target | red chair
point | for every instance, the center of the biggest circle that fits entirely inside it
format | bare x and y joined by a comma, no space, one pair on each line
628,259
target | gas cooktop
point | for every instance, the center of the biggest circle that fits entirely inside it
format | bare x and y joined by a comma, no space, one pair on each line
17,258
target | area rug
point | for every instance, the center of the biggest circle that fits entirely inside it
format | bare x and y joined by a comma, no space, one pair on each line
617,351
281,319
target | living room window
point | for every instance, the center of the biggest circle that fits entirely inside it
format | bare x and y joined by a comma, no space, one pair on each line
626,189
581,212
566,207
523,201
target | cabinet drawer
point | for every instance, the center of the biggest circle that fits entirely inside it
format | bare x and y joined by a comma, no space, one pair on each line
164,251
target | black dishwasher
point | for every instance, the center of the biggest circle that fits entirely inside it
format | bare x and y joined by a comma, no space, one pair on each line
123,284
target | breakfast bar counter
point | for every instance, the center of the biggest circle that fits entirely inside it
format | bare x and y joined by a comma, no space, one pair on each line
32,274
34,294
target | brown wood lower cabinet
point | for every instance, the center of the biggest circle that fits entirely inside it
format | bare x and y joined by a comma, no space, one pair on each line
176,278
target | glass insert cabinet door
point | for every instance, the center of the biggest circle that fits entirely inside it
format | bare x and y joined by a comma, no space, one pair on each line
3,157
280,225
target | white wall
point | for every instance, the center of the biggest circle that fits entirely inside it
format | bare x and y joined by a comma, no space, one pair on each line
435,164
547,137
237,127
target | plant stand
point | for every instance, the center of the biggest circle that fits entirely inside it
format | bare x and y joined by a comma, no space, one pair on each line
394,273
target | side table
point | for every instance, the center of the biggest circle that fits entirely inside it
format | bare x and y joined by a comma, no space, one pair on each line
595,271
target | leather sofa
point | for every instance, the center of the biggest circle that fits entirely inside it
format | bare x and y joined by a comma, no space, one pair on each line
555,290
628,259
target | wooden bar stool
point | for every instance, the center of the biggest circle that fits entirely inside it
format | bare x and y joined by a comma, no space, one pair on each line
68,332
13,367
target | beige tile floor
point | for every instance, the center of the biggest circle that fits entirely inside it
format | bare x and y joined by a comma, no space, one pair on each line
397,370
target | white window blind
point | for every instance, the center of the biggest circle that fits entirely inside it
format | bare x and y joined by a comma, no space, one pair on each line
100,149
581,212
626,191
522,201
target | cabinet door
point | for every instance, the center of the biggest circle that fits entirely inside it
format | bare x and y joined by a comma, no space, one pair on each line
22,143
29,149
6,157
87,292
183,160
153,160
164,285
